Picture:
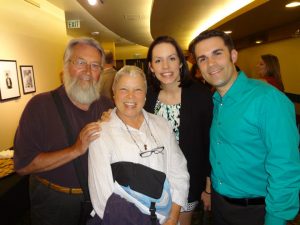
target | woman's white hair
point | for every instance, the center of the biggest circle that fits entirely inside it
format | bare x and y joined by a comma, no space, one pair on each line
131,71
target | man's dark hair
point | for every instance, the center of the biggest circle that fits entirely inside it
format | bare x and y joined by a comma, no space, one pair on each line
109,57
184,71
209,34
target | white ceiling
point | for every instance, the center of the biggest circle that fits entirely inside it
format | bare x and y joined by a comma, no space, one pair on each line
128,22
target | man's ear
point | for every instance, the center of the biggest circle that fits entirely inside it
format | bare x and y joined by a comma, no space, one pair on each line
234,55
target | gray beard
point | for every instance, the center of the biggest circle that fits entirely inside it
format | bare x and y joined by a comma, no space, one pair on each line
84,95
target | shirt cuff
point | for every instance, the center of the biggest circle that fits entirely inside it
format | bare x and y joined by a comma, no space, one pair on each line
272,220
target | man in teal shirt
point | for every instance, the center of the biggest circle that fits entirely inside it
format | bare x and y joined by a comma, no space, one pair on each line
254,141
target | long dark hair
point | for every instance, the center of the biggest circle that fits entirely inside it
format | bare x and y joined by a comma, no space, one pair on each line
273,68
184,71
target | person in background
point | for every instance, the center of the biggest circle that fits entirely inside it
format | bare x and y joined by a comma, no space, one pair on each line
197,76
253,141
195,71
134,151
41,143
107,75
268,68
187,105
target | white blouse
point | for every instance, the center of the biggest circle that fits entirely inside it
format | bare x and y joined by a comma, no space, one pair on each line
115,144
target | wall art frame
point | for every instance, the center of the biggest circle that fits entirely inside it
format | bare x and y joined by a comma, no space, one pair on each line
28,82
9,81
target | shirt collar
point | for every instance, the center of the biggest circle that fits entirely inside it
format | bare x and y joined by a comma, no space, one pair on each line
235,91
116,121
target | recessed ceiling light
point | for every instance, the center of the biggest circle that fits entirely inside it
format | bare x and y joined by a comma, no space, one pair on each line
292,4
258,41
95,33
228,32
92,2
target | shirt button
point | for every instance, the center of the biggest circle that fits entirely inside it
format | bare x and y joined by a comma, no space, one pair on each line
218,163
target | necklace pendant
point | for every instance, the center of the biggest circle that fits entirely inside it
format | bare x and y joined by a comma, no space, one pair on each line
145,147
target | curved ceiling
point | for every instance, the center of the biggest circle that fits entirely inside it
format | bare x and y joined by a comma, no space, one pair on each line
128,22
269,22
186,19
127,18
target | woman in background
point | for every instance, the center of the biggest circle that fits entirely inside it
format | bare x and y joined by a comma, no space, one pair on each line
268,68
187,105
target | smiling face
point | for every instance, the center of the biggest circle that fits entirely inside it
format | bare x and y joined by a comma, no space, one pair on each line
165,64
216,63
129,96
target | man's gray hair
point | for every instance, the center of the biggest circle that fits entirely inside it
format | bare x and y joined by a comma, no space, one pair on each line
86,41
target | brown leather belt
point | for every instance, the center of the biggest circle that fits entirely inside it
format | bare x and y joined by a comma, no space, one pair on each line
59,188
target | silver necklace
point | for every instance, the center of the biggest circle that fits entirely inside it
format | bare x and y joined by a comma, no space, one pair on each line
145,146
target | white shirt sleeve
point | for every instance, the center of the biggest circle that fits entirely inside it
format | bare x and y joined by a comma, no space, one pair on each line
100,176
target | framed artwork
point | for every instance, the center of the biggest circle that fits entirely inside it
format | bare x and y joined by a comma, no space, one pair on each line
28,81
9,82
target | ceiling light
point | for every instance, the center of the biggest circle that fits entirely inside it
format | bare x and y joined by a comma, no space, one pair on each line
228,32
92,2
297,33
292,4
95,33
258,42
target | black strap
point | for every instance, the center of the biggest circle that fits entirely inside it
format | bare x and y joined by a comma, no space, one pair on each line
83,181
153,216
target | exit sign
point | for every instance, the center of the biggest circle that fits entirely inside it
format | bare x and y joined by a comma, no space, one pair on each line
73,24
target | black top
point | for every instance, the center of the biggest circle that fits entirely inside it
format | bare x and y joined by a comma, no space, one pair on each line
195,120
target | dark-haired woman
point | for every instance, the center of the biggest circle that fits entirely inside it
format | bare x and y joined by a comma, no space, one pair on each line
187,105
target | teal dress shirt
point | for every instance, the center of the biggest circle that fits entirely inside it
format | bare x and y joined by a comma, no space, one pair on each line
254,147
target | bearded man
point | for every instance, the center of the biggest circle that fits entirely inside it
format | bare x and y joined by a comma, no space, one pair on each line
41,144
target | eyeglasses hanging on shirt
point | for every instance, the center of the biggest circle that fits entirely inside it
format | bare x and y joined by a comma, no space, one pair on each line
145,153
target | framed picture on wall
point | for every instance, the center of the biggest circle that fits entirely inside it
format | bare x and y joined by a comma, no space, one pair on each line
28,81
9,82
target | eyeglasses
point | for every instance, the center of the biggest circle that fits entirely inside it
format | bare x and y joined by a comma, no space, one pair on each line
148,153
82,63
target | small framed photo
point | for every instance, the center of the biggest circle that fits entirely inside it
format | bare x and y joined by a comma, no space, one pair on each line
9,82
28,81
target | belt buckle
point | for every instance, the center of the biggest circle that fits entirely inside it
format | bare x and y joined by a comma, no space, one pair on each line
72,191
